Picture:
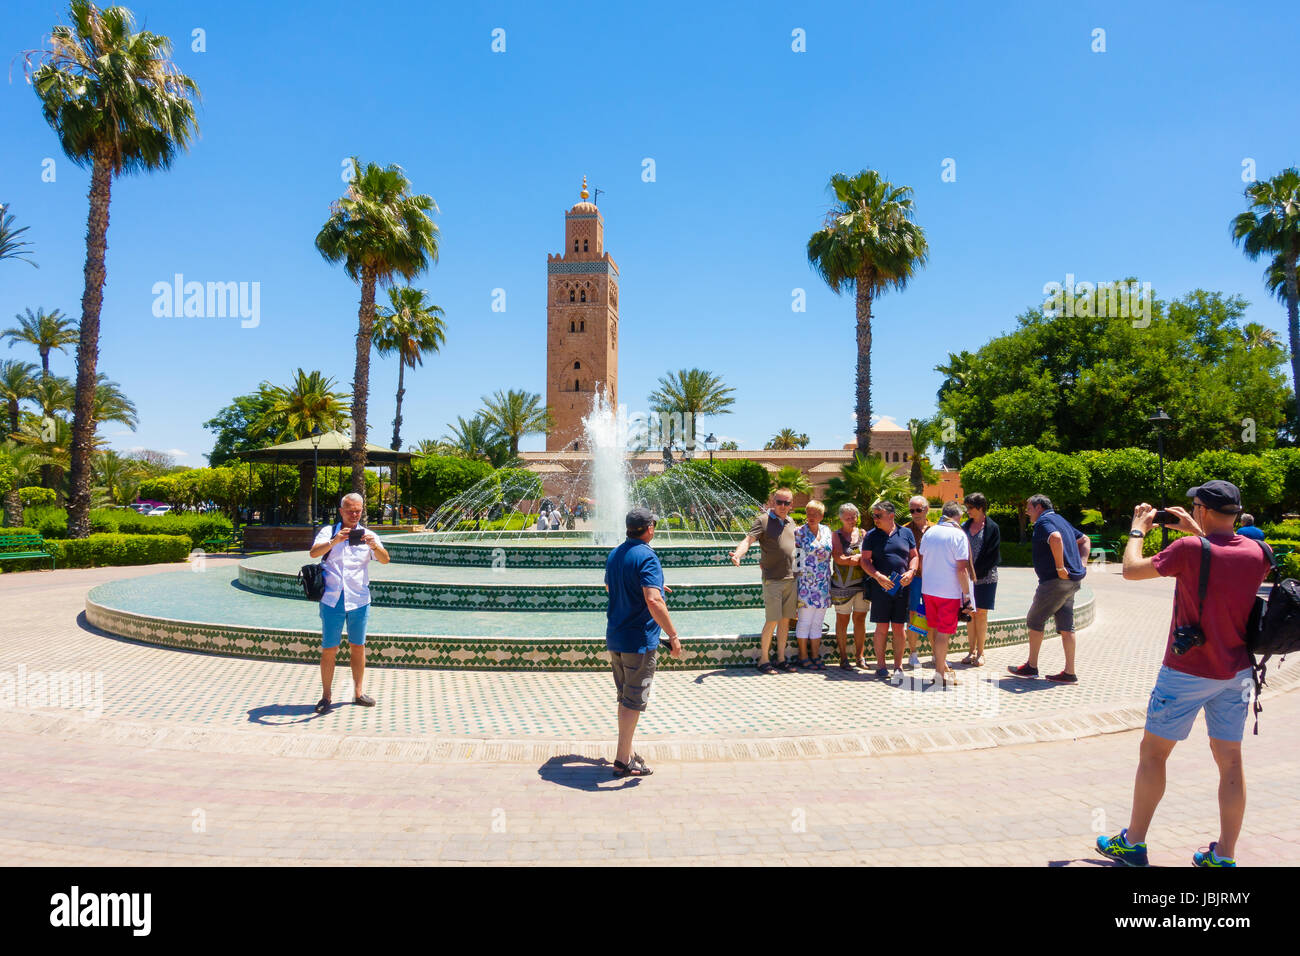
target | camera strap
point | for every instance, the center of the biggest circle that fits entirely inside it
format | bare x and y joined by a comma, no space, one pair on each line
1202,585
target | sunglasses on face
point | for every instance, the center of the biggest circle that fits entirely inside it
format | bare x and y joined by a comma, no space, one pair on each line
917,511
877,514
783,504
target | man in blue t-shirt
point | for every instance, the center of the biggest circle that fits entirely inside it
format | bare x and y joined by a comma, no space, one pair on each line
1248,529
1060,552
634,580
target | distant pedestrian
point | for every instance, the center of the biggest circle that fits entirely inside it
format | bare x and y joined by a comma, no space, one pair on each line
1060,553
944,567
918,506
1248,529
637,613
347,548
889,559
985,555
774,532
849,587
814,542
555,519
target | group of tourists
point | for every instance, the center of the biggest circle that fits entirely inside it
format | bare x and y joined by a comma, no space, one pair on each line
899,574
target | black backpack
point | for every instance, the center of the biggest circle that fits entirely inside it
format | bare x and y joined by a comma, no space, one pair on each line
1274,626
312,576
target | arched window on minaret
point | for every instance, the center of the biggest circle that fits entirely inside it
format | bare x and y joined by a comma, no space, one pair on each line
577,365
582,326
583,296
572,296
584,245
575,245
572,327
575,385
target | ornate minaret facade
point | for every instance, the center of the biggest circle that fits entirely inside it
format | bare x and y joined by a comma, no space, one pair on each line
581,323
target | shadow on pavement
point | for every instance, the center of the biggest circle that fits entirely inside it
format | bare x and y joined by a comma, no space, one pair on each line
302,713
1086,861
593,774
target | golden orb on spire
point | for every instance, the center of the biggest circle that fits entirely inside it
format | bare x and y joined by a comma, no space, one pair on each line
584,187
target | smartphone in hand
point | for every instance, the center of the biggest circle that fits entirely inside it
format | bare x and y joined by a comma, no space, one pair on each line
357,535
1163,516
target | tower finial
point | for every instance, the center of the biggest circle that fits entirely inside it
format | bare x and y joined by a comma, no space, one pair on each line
584,187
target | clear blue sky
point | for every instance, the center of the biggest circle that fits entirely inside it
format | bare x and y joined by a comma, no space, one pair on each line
1103,165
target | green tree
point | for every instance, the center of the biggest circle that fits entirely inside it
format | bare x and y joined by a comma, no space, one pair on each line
380,231
787,439
21,464
234,427
729,446
515,413
11,247
694,392
1089,380
411,327
437,479
309,401
112,405
794,479
920,432
118,105
1272,226
1012,476
17,385
46,331
1287,463
749,476
1119,478
1260,479
864,481
870,244
478,439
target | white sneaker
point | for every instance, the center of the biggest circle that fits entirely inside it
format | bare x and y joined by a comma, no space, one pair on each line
913,662
897,679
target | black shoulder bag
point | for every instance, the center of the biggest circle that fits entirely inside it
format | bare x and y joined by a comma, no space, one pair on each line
1274,626
312,576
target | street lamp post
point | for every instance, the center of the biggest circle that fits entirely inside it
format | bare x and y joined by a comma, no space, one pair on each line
315,475
711,443
1159,420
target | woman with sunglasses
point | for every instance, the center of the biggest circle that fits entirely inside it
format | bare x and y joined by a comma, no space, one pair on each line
985,555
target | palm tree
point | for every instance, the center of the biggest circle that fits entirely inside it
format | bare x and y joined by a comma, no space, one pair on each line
792,478
515,414
10,245
920,442
956,372
118,105
870,244
478,438
787,439
692,392
111,405
427,446
51,437
308,401
117,476
379,231
45,330
17,384
1272,226
411,327
26,462
1256,336
864,481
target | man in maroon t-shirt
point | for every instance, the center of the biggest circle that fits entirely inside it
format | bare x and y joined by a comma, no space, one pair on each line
1214,676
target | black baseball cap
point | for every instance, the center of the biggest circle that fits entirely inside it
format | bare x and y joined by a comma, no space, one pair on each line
1221,496
638,519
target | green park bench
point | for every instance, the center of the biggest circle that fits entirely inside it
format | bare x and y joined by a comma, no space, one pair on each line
14,547
221,544
1099,547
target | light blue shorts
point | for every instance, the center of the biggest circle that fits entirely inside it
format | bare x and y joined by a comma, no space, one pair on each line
1177,698
332,618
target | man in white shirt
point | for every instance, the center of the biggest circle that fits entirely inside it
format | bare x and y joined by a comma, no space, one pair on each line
944,570
347,593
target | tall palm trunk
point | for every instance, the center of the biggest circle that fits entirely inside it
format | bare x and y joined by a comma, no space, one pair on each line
92,301
13,509
863,399
401,390
1293,320
306,482
361,379
13,416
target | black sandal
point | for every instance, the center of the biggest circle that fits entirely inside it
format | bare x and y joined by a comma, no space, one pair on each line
764,668
635,767
323,705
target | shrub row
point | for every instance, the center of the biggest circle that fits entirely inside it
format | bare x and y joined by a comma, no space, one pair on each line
52,523
108,550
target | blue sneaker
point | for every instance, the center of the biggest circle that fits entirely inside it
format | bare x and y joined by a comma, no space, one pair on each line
1210,858
883,673
1118,848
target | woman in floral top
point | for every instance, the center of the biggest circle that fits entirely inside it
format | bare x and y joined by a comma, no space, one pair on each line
813,540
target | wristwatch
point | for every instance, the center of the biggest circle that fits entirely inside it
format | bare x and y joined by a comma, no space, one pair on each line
1135,533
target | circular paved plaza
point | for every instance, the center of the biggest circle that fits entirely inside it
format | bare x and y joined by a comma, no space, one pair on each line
190,758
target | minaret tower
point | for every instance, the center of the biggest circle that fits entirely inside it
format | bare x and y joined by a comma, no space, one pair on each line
581,323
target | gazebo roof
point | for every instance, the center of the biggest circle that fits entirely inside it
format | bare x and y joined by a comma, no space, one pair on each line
335,449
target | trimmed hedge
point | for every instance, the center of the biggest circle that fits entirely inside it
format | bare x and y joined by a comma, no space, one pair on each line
109,550
52,523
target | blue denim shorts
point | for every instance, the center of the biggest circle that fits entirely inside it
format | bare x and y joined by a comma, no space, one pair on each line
332,618
1177,698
